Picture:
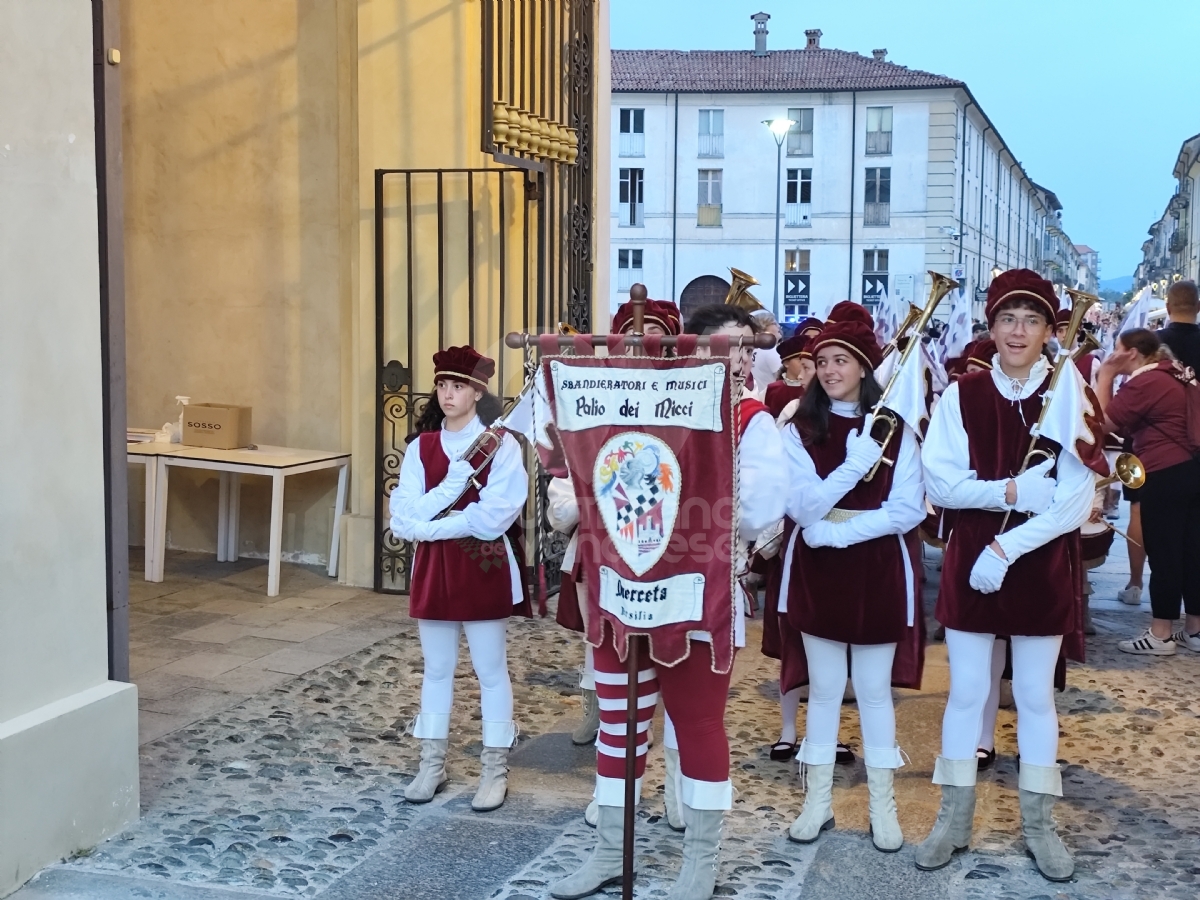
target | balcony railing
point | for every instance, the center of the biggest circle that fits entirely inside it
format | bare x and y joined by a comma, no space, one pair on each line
877,213
629,215
633,144
708,215
711,145
1178,241
879,143
796,215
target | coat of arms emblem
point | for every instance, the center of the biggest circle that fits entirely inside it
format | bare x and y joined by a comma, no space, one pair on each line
636,483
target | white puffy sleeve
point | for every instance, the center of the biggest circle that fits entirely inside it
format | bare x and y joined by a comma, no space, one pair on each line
904,508
949,478
499,503
408,501
1070,508
562,508
810,497
762,469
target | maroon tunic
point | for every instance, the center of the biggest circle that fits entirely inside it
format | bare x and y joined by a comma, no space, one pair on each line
1042,591
464,580
779,639
780,394
858,594
568,615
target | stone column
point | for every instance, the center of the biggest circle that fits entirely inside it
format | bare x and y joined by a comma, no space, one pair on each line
68,736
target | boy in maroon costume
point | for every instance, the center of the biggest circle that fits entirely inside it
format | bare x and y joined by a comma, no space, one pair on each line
1025,582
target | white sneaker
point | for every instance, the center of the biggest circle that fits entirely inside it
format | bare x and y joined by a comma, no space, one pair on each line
1130,596
1183,639
1146,644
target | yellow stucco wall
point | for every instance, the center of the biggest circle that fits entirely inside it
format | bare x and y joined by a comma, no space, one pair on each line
252,133
237,269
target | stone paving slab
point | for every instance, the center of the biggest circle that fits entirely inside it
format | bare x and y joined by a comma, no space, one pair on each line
297,790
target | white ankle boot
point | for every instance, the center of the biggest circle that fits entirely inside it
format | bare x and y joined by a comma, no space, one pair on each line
431,777
885,823
1038,787
701,854
603,867
817,815
493,779
675,817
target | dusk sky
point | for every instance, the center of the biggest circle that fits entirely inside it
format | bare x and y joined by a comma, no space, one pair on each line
1094,98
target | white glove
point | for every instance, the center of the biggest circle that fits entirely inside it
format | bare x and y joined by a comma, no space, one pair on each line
988,572
862,450
458,474
1035,489
825,534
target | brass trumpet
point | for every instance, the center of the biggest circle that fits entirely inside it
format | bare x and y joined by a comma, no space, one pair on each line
1081,302
739,291
914,313
942,285
565,328
1128,470
1088,344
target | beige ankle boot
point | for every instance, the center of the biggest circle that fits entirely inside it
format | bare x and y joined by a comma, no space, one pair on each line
493,779
674,806
885,823
588,728
1039,786
817,815
701,854
952,831
603,867
431,777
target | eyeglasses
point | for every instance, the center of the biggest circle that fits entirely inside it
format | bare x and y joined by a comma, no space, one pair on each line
1009,322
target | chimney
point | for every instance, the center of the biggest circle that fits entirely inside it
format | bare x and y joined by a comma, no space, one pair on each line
880,55
760,33
814,39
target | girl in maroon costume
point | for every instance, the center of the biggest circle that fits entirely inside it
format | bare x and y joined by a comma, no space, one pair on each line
851,570
466,575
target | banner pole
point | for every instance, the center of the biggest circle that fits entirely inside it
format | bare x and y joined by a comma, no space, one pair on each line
637,299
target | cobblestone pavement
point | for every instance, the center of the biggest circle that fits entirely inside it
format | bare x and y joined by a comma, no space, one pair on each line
297,790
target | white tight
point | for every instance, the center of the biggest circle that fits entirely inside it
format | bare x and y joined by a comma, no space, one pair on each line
872,677
987,730
971,680
489,656
789,707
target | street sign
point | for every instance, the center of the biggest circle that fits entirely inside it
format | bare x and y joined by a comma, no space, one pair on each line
795,295
875,285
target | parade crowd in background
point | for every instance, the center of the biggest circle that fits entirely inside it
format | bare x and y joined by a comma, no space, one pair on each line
1004,435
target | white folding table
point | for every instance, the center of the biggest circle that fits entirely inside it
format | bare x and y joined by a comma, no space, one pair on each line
146,454
274,462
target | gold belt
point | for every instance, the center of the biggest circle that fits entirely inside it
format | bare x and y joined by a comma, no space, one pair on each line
837,516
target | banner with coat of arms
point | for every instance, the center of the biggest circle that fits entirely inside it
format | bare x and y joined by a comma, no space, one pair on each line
649,442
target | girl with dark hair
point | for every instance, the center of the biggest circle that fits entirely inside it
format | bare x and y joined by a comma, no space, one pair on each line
855,543
1152,408
466,576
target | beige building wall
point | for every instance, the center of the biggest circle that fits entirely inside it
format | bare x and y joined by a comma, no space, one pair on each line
252,133
237,267
68,736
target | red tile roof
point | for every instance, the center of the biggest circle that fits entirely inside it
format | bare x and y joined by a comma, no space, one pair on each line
740,71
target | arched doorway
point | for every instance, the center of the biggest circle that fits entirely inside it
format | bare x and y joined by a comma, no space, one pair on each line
702,291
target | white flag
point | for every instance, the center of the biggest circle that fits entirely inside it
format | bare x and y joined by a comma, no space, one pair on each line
889,314
957,333
907,397
1064,422
1137,312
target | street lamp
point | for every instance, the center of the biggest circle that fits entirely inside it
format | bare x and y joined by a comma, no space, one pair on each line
779,128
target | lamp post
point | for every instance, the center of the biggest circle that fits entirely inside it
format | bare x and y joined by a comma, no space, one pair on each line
779,128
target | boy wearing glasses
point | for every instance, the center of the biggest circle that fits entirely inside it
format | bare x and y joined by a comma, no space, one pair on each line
1024,583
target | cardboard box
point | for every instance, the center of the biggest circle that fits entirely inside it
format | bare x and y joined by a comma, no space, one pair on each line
217,426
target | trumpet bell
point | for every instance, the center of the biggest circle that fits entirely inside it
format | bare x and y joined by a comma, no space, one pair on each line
739,293
1129,470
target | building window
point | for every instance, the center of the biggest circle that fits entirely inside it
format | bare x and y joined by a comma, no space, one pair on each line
800,135
879,130
629,213
797,277
799,198
633,132
712,133
708,204
629,268
875,277
877,202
